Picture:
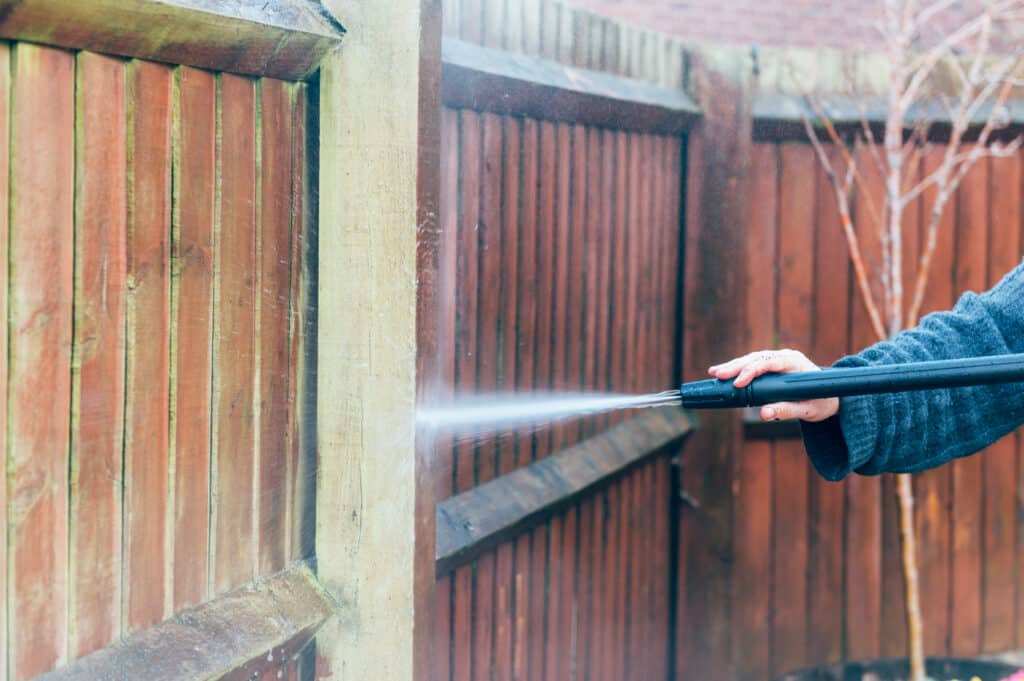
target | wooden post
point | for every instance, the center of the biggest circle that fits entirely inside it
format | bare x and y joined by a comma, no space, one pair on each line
379,154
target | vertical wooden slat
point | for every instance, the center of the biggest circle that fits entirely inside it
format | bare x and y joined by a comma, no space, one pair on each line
790,469
592,235
466,360
147,381
301,330
489,233
968,527
275,206
449,247
826,504
97,412
523,637
504,624
5,156
195,172
863,520
41,238
999,462
753,475
235,336
933,489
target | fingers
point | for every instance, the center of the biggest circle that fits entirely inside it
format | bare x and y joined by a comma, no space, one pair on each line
810,410
750,366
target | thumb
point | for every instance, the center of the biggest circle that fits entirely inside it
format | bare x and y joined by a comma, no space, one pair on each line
781,411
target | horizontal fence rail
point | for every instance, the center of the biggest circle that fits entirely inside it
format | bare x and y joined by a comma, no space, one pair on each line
485,79
475,521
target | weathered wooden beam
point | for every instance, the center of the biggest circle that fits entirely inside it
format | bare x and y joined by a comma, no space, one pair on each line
243,633
278,38
479,519
779,116
485,79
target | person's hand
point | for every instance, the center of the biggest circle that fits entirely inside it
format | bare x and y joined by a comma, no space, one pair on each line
748,367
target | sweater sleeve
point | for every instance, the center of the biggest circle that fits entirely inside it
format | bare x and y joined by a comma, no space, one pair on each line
912,431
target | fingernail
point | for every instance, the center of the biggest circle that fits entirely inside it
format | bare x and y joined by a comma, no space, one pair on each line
769,413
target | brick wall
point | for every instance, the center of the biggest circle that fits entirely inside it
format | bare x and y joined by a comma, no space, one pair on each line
809,23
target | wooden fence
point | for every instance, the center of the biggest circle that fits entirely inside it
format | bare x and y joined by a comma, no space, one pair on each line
563,214
815,572
153,218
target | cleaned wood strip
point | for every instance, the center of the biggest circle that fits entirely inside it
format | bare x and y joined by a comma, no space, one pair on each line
148,329
475,520
234,339
753,505
546,230
275,269
41,238
194,180
98,399
485,79
561,282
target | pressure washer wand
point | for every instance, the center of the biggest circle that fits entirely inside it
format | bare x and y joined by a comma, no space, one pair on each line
893,378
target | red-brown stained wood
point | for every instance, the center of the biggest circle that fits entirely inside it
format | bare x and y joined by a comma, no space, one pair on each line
863,520
932,488
5,156
235,338
275,218
443,449
546,231
303,468
564,662
790,470
523,635
753,474
98,371
466,366
195,173
41,213
830,339
999,462
504,623
968,477
620,249
606,280
148,335
593,237
488,355
576,341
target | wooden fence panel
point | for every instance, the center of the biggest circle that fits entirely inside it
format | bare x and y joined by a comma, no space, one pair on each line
853,607
113,264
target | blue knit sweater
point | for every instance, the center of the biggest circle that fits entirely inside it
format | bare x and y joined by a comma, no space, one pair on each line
907,432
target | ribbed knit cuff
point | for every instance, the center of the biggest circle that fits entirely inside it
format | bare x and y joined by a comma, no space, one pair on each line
837,446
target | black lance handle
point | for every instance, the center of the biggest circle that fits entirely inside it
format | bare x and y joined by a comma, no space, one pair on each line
892,378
